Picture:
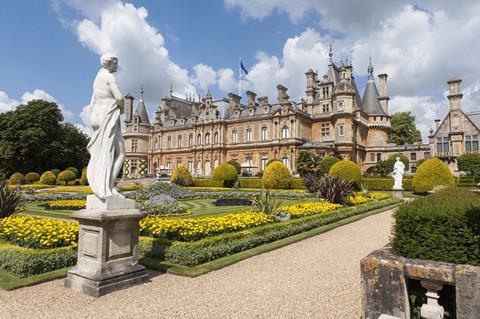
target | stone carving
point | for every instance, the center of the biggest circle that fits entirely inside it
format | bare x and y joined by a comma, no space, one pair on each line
398,172
107,147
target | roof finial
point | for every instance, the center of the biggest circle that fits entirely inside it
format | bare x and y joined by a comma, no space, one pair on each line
171,89
141,92
370,69
330,53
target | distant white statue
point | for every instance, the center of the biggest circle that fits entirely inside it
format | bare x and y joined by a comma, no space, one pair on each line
107,147
398,172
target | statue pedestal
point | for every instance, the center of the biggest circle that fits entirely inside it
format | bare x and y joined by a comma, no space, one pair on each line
397,192
107,249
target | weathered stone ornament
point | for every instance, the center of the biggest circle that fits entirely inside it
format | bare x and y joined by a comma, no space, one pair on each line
398,172
109,230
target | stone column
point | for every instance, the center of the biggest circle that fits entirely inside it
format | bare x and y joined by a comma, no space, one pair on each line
107,247
432,310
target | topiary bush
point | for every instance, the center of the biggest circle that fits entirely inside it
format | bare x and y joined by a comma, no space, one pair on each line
273,160
73,170
431,173
347,170
181,176
226,173
277,176
469,163
55,171
16,179
444,226
31,178
48,178
83,179
327,162
235,164
66,176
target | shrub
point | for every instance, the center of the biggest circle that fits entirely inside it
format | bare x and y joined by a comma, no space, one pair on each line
265,202
232,202
16,179
73,170
273,160
24,262
163,205
469,163
308,163
277,176
10,200
384,184
55,171
327,163
297,183
207,182
235,164
226,173
84,179
250,182
347,170
431,173
181,176
444,226
48,178
331,188
66,176
31,178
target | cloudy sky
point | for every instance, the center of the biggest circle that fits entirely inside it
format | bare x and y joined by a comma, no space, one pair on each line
51,49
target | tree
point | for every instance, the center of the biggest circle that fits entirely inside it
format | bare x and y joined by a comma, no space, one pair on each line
469,163
34,138
403,129
235,164
308,163
384,168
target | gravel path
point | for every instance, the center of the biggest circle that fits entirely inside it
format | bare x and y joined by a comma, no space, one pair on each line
315,278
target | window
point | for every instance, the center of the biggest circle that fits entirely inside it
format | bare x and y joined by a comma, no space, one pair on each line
134,145
249,134
169,165
471,143
215,137
285,160
325,130
199,139
133,166
207,138
413,156
234,136
325,108
285,131
340,106
379,157
190,166
190,140
442,145
372,157
179,141
169,142
264,133
341,131
156,143
426,155
264,163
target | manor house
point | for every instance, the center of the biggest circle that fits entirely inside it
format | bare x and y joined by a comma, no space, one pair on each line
332,118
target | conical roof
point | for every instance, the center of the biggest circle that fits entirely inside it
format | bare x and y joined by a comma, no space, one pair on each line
141,110
370,103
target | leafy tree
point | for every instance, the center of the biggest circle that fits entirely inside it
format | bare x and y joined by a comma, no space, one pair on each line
34,138
384,168
235,164
403,129
308,163
469,163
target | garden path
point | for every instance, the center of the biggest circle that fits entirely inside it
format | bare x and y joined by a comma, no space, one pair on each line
315,278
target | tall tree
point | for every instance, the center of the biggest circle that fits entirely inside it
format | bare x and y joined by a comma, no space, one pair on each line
33,137
404,130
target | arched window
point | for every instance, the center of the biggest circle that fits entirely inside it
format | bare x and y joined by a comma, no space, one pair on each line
190,140
215,137
285,131
207,138
199,139
379,157
249,134
234,136
179,141
264,133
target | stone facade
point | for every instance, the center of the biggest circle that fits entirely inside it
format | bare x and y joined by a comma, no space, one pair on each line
332,119
458,133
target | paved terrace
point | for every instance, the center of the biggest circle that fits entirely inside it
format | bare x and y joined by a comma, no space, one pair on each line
315,278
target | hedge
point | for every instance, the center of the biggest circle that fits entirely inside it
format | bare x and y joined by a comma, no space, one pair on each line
444,226
24,262
207,182
211,248
32,177
384,184
181,176
16,179
48,178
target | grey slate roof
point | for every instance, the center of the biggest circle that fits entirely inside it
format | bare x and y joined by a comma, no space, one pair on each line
141,112
475,118
370,103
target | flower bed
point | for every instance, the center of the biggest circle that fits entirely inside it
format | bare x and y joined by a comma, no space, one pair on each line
164,205
357,200
42,197
71,189
191,229
233,202
307,209
378,196
65,204
37,232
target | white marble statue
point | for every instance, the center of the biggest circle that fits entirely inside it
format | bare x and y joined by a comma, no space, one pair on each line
398,172
107,147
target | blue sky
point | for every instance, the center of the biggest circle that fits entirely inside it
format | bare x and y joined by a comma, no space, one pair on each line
51,48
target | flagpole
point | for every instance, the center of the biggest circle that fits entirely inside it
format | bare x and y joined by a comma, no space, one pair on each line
240,77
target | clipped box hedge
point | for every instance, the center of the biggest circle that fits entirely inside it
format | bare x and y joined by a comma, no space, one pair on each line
211,248
207,182
384,184
25,262
444,226
297,183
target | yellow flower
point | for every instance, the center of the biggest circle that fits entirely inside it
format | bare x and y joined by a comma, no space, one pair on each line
307,209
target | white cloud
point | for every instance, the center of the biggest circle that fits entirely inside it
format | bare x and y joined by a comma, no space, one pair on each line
6,103
204,77
226,80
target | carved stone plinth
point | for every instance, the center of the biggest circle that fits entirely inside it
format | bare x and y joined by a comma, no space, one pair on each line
107,251
397,192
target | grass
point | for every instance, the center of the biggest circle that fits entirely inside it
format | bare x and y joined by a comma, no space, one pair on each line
229,260
36,210
10,282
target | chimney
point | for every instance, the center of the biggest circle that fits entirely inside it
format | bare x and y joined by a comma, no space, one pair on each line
234,101
455,96
128,108
251,98
282,94
437,124
383,84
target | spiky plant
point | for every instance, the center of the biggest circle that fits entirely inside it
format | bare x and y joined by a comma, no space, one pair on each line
10,200
265,202
333,189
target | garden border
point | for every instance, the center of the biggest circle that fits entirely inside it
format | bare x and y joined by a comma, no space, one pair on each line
219,263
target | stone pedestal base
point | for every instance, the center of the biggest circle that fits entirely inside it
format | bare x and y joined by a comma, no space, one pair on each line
107,251
397,192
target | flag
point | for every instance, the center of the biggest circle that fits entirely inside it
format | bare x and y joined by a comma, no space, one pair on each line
243,67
